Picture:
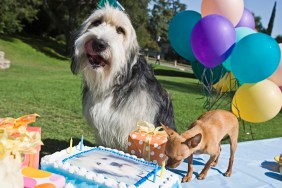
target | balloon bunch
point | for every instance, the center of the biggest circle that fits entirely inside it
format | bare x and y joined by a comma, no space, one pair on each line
223,37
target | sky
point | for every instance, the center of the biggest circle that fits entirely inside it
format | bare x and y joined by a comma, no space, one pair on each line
262,8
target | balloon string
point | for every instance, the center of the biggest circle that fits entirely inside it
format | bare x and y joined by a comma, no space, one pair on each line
215,97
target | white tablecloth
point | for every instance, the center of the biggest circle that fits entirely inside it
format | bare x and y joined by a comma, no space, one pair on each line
254,167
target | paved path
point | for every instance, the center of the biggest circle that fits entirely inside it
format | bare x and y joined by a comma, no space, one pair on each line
182,67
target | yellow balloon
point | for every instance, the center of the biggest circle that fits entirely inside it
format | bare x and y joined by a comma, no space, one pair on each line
257,102
231,9
226,83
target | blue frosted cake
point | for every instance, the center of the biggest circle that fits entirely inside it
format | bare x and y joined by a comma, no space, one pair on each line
104,167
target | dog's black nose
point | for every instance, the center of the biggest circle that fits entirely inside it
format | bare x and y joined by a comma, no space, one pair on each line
99,45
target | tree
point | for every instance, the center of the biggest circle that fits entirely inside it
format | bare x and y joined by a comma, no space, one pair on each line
160,16
279,38
271,20
67,15
258,24
14,12
138,14
269,28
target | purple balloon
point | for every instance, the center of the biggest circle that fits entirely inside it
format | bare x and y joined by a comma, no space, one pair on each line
247,20
212,40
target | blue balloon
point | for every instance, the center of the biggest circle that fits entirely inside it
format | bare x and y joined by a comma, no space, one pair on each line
255,58
179,32
241,32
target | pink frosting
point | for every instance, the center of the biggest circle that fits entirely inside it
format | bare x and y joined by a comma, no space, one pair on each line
29,182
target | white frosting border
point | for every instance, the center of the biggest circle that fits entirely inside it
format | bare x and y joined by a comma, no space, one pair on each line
56,160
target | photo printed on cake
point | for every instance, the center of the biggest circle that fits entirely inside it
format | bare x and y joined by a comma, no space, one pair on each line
112,166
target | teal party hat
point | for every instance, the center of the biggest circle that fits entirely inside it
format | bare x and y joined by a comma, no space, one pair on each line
113,3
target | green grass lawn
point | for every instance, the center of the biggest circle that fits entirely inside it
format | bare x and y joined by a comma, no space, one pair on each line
40,81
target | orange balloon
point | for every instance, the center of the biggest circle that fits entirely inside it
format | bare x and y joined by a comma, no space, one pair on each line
276,77
231,9
45,185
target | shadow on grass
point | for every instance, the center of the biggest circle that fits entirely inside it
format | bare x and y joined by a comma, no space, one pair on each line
51,145
177,86
49,47
7,38
182,87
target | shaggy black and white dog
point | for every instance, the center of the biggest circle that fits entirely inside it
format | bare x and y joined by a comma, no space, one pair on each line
119,86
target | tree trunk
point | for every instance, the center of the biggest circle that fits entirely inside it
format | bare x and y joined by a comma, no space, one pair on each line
271,20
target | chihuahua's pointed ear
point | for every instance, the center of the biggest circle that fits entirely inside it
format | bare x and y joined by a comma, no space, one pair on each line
194,141
168,131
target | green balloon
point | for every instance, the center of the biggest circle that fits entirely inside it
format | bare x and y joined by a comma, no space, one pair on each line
208,76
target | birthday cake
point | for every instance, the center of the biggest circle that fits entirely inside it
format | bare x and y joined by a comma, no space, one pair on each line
104,167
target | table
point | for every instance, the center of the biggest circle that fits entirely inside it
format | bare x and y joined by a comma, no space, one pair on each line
254,166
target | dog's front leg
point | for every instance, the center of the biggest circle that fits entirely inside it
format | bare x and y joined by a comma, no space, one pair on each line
204,172
216,160
189,174
233,146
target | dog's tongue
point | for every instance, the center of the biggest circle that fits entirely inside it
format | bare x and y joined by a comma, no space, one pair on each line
88,48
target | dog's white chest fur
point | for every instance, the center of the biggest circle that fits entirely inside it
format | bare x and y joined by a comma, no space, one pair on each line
112,126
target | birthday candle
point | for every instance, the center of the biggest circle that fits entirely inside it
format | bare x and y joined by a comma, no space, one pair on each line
81,143
162,170
155,173
70,150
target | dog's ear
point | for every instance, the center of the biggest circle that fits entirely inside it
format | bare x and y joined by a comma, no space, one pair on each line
74,65
194,141
168,131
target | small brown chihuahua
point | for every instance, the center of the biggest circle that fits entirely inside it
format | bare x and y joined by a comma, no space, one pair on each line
203,137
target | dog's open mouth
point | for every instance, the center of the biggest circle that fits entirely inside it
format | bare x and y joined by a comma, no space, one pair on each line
94,58
96,61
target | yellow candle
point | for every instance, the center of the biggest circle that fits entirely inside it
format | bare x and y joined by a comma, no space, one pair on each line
162,170
70,150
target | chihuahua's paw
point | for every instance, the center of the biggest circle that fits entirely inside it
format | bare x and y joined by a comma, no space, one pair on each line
186,179
201,176
227,173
